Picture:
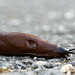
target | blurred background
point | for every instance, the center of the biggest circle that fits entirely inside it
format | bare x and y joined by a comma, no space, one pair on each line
53,20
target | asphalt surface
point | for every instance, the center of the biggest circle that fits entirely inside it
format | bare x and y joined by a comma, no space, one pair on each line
53,20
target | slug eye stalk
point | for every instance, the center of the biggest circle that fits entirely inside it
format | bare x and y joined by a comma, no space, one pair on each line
71,51
66,53
63,52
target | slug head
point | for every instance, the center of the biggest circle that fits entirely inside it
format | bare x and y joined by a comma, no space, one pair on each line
63,52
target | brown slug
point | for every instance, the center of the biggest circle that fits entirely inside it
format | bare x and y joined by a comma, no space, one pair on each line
17,43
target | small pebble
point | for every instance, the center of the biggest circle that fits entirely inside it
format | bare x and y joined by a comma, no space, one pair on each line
39,63
41,59
15,22
48,65
5,70
69,15
67,68
27,61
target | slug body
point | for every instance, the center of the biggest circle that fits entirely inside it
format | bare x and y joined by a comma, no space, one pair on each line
16,43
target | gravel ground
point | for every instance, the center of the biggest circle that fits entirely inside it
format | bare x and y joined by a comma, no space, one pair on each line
53,20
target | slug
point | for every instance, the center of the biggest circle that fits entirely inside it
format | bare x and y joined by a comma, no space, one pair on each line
17,43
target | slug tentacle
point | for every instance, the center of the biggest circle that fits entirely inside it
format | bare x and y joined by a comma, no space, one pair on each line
70,51
66,54
63,52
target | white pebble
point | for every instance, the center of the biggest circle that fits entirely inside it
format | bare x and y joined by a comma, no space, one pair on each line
67,68
69,15
15,22
46,27
60,27
54,15
39,63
